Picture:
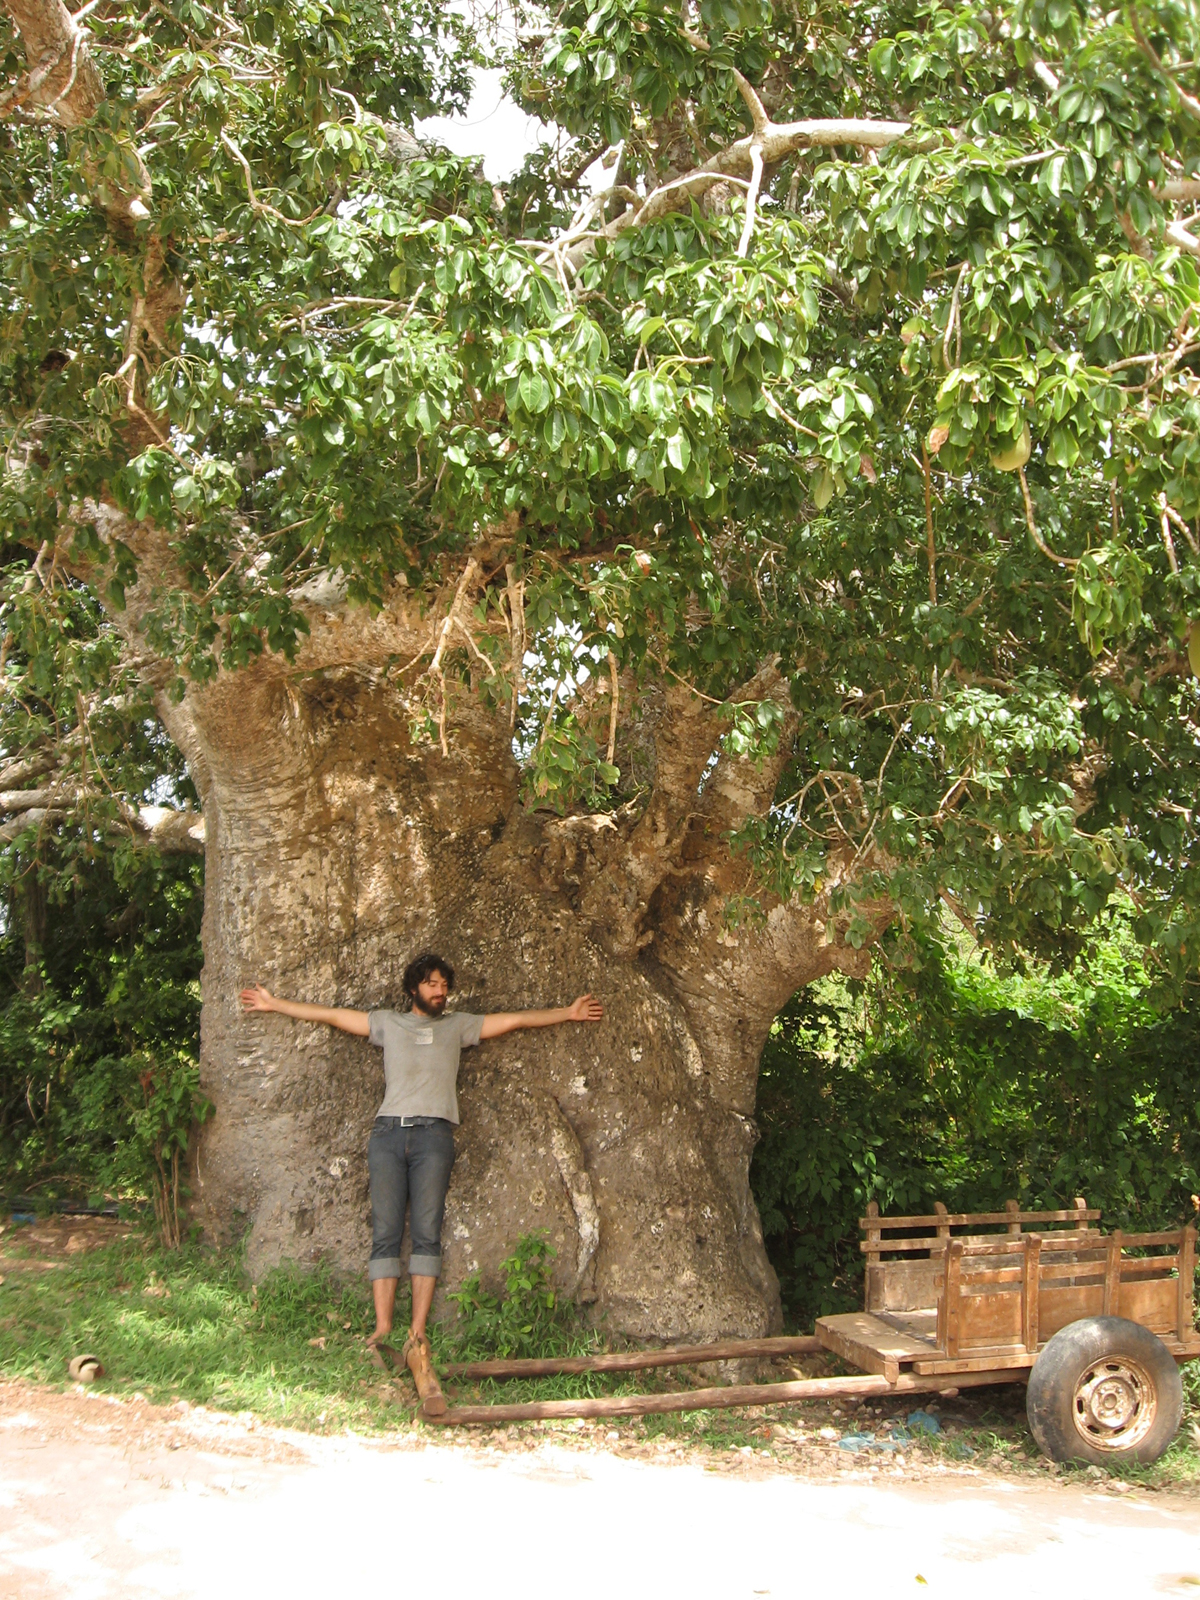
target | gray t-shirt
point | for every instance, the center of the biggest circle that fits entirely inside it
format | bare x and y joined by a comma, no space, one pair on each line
420,1060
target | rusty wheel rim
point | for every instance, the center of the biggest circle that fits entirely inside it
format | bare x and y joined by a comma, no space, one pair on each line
1115,1404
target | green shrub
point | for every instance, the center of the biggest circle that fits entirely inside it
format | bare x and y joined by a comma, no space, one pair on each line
527,1319
99,1042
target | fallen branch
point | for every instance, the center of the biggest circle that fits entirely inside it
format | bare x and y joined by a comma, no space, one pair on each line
637,1360
748,1394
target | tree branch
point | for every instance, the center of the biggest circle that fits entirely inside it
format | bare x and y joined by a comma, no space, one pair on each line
1168,541
1030,523
773,142
64,80
66,84
754,105
260,205
756,165
1188,101
1176,233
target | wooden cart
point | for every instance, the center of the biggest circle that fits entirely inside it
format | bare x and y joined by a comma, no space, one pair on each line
942,1295
1095,1324
1102,1319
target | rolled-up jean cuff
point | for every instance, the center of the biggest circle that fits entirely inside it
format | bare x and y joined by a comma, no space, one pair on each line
424,1266
383,1267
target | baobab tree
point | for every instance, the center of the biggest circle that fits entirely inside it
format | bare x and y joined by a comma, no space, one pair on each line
763,529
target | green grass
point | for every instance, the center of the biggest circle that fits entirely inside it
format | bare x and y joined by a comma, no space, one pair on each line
189,1325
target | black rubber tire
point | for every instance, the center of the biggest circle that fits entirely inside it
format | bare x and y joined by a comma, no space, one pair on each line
1104,1360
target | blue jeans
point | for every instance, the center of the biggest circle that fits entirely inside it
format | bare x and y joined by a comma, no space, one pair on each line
409,1167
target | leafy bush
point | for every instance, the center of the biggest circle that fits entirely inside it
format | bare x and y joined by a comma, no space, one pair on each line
99,1041
971,1089
528,1319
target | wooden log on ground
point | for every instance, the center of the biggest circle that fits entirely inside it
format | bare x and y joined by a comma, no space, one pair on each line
635,1360
749,1394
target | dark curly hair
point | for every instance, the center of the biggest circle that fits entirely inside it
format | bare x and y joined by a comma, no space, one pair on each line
422,967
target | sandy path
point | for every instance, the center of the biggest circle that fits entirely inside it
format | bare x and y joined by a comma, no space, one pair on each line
100,1500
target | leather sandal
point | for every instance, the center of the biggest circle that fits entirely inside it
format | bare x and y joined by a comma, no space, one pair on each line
419,1360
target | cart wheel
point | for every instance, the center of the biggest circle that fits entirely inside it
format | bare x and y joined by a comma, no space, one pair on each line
1104,1390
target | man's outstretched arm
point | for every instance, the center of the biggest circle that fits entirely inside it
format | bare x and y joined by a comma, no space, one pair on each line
586,1009
257,998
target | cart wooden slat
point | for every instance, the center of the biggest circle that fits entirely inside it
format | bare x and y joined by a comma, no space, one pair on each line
943,1295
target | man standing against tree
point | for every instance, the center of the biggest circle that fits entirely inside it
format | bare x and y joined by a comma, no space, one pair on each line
411,1150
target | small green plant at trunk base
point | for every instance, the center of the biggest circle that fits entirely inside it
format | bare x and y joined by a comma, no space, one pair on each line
172,1106
528,1319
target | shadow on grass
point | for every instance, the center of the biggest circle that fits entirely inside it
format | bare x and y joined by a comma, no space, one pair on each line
190,1326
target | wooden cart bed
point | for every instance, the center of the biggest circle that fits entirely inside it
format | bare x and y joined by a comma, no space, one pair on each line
984,1291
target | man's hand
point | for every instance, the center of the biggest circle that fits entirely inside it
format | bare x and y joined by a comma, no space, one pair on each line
586,1009
257,998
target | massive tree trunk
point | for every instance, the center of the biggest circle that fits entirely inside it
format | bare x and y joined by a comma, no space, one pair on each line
336,848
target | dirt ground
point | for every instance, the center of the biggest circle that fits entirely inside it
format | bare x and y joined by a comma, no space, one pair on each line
103,1497
52,1240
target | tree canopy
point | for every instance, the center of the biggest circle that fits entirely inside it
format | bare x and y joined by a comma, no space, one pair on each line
838,361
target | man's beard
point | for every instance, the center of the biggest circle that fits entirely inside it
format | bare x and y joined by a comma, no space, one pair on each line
431,1008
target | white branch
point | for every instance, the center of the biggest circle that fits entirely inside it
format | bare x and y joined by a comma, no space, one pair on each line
756,162
735,164
1177,234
